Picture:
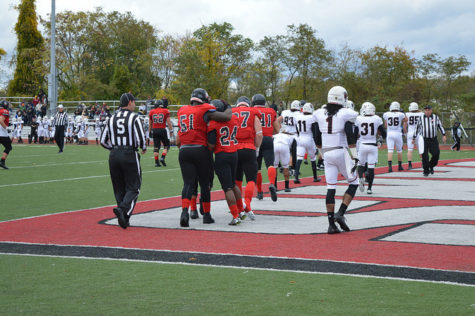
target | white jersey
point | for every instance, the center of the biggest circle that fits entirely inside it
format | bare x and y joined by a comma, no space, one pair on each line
304,124
368,128
413,119
289,122
333,127
394,121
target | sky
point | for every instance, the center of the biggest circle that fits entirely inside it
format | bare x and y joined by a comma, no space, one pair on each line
422,26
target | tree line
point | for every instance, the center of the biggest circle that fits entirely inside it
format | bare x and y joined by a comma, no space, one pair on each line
102,54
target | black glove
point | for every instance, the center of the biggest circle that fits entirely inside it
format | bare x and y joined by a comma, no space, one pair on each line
355,166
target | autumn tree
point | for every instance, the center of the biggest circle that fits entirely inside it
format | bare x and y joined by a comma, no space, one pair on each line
30,70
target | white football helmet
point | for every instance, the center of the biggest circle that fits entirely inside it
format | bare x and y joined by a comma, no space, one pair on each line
395,106
368,108
295,105
78,119
413,106
337,95
350,105
307,108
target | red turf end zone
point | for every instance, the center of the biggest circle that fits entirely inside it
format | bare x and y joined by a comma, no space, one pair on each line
83,228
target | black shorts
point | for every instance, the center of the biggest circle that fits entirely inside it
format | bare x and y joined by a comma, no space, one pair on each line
160,136
7,143
225,165
247,164
266,151
195,163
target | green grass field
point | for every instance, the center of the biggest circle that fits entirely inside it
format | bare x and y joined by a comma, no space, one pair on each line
41,182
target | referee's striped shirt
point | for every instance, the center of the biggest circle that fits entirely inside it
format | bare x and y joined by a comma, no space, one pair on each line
428,125
123,129
60,119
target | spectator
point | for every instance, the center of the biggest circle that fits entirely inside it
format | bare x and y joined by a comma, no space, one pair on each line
43,110
165,101
36,100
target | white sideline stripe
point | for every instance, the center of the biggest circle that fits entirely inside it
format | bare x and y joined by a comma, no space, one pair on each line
245,268
59,164
73,179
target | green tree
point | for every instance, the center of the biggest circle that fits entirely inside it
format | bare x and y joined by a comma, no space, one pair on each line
450,69
30,70
428,69
2,53
272,49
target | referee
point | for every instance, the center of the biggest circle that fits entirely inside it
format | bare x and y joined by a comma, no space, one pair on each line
60,121
427,127
123,135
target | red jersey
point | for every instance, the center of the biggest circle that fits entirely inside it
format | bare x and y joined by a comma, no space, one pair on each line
158,117
192,127
6,114
246,133
226,140
268,116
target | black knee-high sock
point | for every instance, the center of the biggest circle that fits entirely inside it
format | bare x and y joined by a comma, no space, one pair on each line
314,169
360,171
297,168
370,178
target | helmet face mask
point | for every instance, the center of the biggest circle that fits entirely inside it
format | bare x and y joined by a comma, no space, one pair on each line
395,106
337,95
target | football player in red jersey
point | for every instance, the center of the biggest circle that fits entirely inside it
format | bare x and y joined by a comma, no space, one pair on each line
270,126
160,119
194,155
249,136
222,140
4,138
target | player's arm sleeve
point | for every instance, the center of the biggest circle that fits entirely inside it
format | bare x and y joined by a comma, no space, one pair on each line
350,133
317,135
382,131
219,116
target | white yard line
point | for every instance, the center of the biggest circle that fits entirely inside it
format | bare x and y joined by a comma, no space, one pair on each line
58,164
74,179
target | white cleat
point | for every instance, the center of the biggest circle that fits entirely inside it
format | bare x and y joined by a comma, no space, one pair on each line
251,215
361,185
369,191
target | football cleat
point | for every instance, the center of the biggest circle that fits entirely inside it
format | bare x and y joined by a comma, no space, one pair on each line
431,170
369,191
361,185
242,215
390,169
317,179
273,192
194,214
297,181
260,195
121,217
400,168
207,219
332,229
157,164
287,190
235,221
340,219
425,174
409,167
2,164
305,162
251,215
162,160
184,219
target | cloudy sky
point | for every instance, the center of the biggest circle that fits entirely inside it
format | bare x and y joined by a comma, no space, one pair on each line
446,27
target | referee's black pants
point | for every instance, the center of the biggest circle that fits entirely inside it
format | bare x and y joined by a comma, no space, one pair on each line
431,145
126,176
59,136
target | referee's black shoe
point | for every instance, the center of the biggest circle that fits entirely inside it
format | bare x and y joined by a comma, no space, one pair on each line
184,219
120,217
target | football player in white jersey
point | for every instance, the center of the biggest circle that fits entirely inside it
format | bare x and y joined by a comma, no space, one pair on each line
70,130
288,124
45,124
84,130
396,124
368,125
282,144
52,131
413,118
305,143
333,127
98,130
18,129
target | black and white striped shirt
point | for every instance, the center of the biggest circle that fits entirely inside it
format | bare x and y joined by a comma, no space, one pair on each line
124,129
427,126
60,119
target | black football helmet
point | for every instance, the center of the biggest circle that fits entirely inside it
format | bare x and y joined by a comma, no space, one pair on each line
220,105
4,104
243,101
199,95
158,103
258,99
302,103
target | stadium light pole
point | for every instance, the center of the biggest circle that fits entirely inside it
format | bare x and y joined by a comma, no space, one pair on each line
52,87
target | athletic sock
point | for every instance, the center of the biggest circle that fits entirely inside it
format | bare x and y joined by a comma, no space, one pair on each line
193,204
390,164
286,184
239,205
156,158
239,184
249,192
234,210
342,209
370,178
272,174
206,206
259,182
360,171
297,168
314,169
399,163
185,203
